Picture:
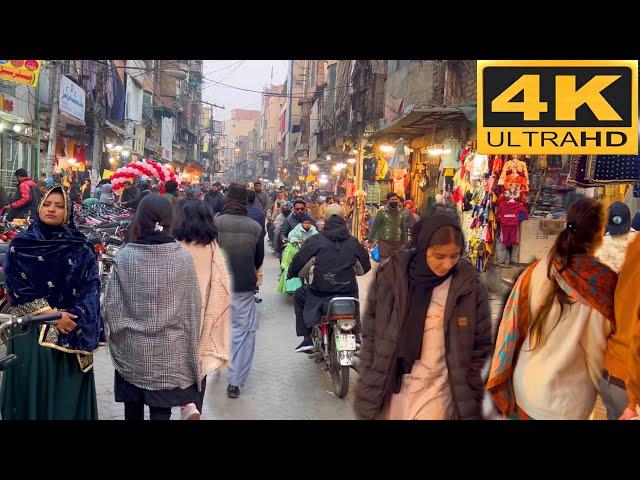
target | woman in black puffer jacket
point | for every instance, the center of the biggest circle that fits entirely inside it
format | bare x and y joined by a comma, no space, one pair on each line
426,332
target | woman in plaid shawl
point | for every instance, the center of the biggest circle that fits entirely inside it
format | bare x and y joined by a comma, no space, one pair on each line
553,334
152,311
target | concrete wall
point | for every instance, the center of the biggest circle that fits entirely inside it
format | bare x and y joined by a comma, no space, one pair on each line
413,84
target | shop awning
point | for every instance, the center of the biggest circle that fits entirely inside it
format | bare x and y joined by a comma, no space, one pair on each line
421,121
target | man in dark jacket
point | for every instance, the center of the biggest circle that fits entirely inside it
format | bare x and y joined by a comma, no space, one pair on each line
256,214
337,255
238,236
215,198
262,200
27,198
130,195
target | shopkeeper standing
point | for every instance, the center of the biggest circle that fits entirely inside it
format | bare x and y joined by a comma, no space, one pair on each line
388,228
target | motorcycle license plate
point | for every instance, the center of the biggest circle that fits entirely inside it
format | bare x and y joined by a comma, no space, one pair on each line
345,342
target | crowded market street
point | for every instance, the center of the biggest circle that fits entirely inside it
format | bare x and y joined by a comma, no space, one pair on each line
284,385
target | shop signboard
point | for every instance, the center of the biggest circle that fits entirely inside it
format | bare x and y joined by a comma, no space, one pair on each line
24,72
72,99
6,105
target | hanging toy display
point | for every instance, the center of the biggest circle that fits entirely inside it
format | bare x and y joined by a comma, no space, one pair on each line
144,170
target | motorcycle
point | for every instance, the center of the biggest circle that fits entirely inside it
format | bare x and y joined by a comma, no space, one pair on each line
334,340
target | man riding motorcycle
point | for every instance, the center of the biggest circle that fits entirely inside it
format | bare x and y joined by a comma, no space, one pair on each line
337,257
285,211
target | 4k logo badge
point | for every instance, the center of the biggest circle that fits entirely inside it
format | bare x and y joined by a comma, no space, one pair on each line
558,107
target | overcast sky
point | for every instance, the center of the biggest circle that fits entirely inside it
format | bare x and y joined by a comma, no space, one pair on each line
249,74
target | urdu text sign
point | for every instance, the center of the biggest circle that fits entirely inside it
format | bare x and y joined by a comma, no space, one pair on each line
558,107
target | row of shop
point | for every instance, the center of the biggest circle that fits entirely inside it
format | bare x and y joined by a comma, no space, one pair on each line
511,206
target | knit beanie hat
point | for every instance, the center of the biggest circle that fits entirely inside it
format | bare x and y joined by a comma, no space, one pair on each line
306,218
237,193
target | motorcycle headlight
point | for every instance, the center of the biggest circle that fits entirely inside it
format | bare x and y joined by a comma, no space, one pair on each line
346,324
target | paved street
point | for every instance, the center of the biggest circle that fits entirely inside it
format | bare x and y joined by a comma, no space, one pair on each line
283,385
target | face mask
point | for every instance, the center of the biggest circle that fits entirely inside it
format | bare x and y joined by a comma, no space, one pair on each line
393,204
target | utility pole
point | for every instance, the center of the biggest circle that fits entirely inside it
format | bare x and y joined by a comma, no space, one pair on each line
53,121
98,117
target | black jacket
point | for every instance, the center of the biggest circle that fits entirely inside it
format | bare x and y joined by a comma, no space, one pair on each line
337,254
238,236
215,201
467,330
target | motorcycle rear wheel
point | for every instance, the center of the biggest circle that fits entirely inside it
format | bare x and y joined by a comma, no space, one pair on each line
339,373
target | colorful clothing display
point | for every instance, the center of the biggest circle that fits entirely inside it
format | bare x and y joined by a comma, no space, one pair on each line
508,215
382,169
614,168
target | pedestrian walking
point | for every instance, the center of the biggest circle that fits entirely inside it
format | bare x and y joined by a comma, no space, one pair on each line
388,228
195,230
256,214
556,323
262,201
215,198
153,313
238,236
426,332
51,266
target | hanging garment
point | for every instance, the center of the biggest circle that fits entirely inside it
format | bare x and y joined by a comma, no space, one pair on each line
615,168
497,166
508,214
373,193
451,159
397,181
398,159
382,169
369,169
384,189
514,165
479,167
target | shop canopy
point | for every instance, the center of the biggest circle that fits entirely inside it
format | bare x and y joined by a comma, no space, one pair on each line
420,121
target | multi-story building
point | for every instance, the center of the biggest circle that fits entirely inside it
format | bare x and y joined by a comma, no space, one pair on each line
239,125
269,132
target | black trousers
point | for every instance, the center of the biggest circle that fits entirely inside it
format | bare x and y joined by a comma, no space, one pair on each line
299,298
135,411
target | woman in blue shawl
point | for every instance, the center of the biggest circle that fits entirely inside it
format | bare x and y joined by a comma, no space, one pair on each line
52,266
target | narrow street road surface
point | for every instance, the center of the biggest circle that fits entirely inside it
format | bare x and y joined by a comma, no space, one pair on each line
283,384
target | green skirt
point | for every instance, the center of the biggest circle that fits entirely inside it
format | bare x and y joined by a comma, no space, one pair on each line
45,384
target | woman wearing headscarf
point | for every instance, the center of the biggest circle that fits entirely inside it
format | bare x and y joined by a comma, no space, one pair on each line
195,229
553,334
426,332
107,196
51,266
153,316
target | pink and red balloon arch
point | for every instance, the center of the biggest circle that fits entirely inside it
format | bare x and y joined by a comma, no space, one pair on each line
144,169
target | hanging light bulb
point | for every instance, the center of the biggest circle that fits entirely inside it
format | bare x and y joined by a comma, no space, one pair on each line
109,146
313,167
386,148
328,157
323,181
351,161
17,128
125,153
